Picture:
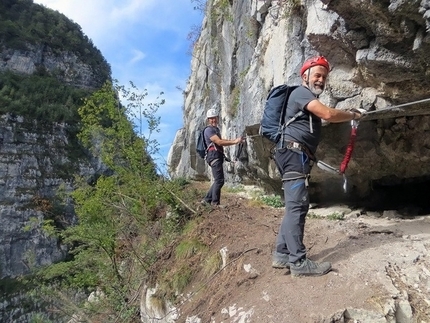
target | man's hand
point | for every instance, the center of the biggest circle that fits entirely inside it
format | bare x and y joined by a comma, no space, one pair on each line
239,140
360,111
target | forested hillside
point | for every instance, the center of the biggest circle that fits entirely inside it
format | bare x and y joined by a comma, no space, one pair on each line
23,23
41,38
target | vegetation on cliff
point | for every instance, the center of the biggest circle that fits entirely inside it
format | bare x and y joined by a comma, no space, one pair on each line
122,225
42,96
24,23
128,217
120,213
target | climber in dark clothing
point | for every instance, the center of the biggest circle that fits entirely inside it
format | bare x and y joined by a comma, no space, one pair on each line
215,156
293,159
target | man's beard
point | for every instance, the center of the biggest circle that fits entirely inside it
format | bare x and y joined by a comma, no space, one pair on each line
315,90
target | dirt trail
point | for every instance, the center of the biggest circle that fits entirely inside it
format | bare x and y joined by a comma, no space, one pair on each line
380,268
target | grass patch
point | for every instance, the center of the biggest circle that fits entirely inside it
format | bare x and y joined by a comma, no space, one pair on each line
190,226
332,216
336,216
235,189
256,203
212,264
182,278
272,200
188,248
313,215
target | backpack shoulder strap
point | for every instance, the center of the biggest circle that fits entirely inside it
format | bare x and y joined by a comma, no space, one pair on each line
204,139
284,110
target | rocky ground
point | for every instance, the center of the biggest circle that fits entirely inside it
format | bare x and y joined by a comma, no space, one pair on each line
381,267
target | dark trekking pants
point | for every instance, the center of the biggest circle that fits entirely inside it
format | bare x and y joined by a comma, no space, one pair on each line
214,194
295,168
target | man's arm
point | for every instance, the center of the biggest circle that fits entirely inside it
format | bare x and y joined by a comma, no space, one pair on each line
330,114
225,142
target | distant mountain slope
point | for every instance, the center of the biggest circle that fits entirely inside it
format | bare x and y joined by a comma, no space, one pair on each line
25,25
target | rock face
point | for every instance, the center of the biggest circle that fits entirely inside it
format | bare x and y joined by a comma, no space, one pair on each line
378,56
37,159
66,66
33,164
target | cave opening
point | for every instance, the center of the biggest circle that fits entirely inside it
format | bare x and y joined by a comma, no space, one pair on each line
408,195
411,194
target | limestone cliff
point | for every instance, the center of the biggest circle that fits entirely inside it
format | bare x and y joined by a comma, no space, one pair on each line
68,67
38,156
39,153
35,163
378,56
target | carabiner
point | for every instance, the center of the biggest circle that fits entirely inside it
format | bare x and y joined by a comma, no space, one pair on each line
345,183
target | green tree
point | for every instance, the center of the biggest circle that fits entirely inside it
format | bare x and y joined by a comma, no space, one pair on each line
24,23
114,245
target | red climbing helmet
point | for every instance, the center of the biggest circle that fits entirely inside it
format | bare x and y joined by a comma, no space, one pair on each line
314,61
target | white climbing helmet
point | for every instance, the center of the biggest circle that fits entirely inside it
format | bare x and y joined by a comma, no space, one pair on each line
211,113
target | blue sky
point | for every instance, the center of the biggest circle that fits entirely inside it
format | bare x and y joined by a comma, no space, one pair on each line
144,41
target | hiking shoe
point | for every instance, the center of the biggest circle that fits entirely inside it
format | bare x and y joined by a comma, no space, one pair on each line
280,260
217,206
307,267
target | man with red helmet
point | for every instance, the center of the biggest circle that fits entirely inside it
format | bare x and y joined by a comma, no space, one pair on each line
294,156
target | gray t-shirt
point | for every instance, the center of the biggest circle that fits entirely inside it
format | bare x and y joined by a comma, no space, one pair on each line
209,132
299,130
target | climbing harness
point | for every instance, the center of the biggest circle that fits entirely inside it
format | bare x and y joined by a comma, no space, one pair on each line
298,147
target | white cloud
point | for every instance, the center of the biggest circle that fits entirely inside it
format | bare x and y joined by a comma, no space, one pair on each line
137,56
130,10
